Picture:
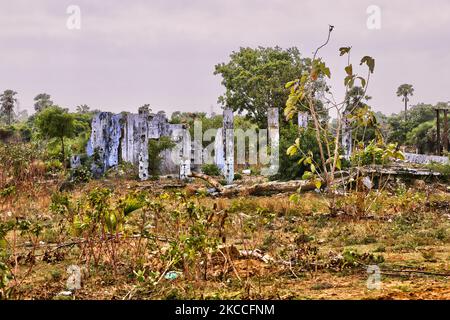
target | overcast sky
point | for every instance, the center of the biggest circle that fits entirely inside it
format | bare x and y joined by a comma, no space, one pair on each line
128,53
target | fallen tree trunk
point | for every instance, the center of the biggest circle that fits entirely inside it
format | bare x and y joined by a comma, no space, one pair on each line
216,184
270,187
256,189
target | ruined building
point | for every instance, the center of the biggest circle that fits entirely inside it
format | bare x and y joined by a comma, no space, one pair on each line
124,137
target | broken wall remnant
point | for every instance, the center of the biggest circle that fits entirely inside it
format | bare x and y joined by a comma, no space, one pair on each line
347,143
303,119
425,159
273,141
228,143
101,145
171,158
143,145
75,161
219,149
186,154
124,137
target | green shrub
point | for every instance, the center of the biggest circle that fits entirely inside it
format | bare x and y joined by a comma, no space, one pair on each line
6,192
132,202
211,170
443,169
155,147
372,154
81,174
53,166
289,168
376,153
60,203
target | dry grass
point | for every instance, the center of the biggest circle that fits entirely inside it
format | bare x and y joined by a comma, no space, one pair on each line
409,230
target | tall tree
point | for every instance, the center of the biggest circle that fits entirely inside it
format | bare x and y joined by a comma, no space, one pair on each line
56,123
255,80
405,91
145,109
8,101
365,125
42,101
397,128
355,99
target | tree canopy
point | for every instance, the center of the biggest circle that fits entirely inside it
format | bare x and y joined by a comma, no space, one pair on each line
255,80
8,101
55,122
42,101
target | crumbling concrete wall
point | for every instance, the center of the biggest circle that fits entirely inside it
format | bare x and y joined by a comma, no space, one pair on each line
101,145
425,159
219,150
171,159
124,137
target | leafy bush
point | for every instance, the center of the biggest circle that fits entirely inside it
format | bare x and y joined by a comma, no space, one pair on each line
53,166
372,154
19,162
132,202
60,203
5,192
81,174
155,147
443,169
6,133
376,153
289,167
211,170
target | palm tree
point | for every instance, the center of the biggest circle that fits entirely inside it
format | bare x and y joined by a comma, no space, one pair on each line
405,91
7,103
83,108
42,101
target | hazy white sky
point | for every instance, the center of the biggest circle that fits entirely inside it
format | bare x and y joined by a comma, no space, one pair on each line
128,53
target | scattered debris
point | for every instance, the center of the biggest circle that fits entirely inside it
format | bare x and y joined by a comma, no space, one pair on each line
172,275
256,254
367,182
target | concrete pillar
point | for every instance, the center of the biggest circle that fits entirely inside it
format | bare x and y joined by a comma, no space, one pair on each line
273,141
347,142
75,161
185,159
219,149
143,144
303,119
228,143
